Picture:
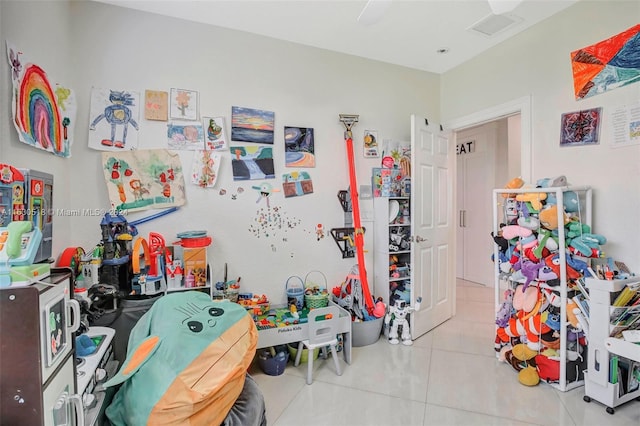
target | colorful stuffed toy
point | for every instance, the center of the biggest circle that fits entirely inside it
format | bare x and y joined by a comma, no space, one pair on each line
186,362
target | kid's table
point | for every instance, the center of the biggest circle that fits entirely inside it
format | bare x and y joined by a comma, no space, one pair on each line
297,332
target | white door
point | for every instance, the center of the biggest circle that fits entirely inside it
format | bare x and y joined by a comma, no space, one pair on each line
432,192
476,153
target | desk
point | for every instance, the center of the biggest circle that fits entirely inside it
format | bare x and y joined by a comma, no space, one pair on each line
297,332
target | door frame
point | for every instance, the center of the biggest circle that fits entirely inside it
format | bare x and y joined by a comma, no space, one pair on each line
523,107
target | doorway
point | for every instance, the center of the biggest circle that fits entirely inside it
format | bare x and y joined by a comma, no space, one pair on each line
489,168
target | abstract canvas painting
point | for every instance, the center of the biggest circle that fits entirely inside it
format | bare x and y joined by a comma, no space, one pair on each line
299,147
581,127
252,125
607,65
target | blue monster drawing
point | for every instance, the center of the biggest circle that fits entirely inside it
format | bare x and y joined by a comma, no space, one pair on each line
117,114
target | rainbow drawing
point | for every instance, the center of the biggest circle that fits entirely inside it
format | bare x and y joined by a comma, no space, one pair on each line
37,113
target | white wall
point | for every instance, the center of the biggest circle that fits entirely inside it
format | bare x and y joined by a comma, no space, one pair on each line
537,63
92,44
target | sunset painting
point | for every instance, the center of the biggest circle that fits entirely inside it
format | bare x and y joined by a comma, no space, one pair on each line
252,125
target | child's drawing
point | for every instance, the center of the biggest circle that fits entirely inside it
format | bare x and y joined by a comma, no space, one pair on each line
185,136
156,105
215,138
43,114
112,112
204,172
143,179
184,104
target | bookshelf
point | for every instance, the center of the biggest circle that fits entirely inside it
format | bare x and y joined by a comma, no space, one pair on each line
612,361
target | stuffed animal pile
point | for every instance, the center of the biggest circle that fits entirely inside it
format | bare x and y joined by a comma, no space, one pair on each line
528,320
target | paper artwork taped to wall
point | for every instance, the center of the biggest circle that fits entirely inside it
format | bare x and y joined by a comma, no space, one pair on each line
113,119
252,162
183,104
580,127
143,179
185,135
607,65
252,125
215,137
371,143
299,147
44,111
156,105
204,172
295,184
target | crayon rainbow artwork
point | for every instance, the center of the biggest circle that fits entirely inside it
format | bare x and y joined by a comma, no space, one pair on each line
42,114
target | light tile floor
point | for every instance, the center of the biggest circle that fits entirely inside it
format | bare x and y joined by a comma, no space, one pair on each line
450,376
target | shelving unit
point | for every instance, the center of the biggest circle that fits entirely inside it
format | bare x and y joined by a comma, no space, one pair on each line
394,254
585,198
603,346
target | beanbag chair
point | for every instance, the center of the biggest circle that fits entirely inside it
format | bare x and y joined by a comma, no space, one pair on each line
186,362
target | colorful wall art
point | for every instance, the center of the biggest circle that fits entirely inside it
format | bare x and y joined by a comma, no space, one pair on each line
252,162
185,135
114,117
580,127
295,184
204,172
215,137
299,147
143,179
184,104
371,143
44,113
607,65
156,105
252,125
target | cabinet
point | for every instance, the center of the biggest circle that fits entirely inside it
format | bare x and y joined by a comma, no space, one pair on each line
570,362
603,381
392,240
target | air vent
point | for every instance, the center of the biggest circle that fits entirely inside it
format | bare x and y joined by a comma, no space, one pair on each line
493,24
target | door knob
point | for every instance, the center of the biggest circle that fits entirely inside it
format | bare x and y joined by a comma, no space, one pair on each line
419,239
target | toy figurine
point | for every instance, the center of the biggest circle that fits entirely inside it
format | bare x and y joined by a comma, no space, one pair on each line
397,316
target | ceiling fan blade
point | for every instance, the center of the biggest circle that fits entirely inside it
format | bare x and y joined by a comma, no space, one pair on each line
373,11
499,7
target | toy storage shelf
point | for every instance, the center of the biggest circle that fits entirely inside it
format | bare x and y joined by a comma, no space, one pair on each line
603,347
394,254
585,195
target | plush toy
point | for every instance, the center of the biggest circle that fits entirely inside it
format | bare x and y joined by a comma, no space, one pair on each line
530,270
186,362
570,201
549,217
553,261
588,245
514,183
552,182
535,199
506,309
515,231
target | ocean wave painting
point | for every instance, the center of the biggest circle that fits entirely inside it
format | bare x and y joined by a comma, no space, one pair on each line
252,125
